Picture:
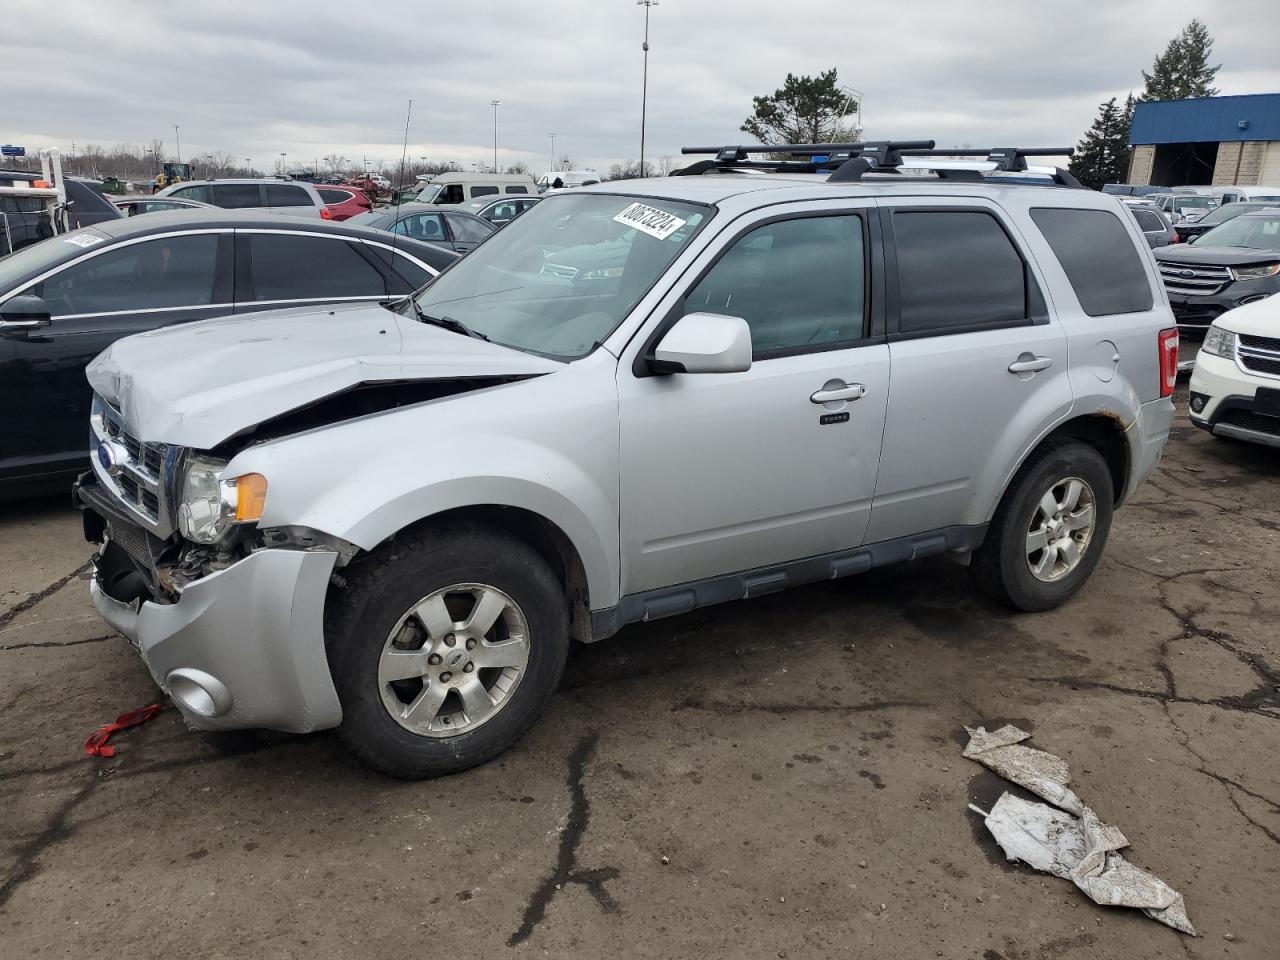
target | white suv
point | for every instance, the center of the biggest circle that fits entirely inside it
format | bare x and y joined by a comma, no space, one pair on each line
393,520
290,197
1235,386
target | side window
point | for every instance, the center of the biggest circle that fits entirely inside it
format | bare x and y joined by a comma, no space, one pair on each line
483,191
426,227
1148,222
466,230
452,193
235,195
297,267
1099,258
168,272
798,284
407,275
517,190
287,195
332,195
957,269
198,192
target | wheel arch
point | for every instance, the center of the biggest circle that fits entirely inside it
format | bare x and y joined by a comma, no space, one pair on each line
1104,431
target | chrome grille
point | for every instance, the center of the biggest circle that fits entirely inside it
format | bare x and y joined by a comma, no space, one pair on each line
137,478
1193,279
1258,354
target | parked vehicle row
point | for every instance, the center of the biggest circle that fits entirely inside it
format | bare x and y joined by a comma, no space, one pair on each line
64,301
21,218
393,523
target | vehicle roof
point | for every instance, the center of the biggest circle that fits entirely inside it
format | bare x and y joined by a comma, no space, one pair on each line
413,207
188,183
451,176
166,221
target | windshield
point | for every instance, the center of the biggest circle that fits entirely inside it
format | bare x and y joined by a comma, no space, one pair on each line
39,257
1260,233
560,278
1226,212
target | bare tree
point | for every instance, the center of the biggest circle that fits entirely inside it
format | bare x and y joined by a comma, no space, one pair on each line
666,163
518,167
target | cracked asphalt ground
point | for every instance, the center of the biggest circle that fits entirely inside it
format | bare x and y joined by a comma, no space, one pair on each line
775,778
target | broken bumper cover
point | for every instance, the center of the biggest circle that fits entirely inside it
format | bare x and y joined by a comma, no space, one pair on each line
1150,433
242,647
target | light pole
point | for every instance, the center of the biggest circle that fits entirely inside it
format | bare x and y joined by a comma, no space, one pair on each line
178,142
494,104
553,151
644,90
248,162
282,158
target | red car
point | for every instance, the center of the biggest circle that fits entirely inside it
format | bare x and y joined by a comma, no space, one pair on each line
342,203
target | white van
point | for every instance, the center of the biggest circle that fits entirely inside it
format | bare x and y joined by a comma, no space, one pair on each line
1241,194
459,187
567,180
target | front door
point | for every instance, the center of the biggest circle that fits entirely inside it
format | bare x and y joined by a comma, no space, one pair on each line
94,301
979,366
722,473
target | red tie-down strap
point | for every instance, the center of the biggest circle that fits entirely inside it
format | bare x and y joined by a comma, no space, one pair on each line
97,746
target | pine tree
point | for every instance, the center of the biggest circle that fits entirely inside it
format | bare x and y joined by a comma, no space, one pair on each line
1183,69
1103,155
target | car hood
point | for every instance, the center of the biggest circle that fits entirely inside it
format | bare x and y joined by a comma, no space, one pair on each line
1215,256
197,384
1260,318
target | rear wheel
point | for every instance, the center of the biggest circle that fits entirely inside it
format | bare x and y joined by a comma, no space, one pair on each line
445,646
1049,531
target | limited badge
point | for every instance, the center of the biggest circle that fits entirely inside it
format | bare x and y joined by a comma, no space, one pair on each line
650,220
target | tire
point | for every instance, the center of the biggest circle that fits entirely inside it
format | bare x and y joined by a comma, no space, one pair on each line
1003,565
400,727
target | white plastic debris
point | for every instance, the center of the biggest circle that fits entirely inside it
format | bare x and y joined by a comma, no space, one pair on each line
1071,843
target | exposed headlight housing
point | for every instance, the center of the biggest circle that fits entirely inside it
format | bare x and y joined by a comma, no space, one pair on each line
211,505
1219,342
1255,273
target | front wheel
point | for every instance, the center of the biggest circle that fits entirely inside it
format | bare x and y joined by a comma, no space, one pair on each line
445,646
1049,531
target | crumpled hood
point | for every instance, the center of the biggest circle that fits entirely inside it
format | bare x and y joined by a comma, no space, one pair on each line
196,384
1195,254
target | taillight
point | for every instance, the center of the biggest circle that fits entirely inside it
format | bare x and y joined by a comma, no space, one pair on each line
1177,237
1168,361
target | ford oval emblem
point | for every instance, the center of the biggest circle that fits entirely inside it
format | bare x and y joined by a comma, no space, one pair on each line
112,457
104,457
1186,274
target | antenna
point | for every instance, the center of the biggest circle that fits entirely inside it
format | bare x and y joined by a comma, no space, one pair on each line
404,153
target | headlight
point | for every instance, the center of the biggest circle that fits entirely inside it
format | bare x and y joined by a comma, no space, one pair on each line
211,504
1255,273
1219,342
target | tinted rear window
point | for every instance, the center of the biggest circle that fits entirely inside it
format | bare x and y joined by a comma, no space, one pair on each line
483,191
1099,258
294,267
332,195
235,195
1148,222
517,189
957,269
285,195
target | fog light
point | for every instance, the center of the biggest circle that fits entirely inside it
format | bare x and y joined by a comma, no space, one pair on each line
1198,401
199,692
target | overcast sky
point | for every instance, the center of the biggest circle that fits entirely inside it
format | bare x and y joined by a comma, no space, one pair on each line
259,78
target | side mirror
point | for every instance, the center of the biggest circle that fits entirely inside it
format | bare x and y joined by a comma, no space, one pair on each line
704,343
20,315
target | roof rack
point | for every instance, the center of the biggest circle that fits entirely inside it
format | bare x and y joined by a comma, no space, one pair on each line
851,161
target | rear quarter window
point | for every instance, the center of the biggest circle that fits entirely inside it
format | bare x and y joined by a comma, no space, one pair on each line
287,195
1099,257
1148,222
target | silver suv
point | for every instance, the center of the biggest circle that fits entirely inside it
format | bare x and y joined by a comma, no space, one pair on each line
292,198
393,520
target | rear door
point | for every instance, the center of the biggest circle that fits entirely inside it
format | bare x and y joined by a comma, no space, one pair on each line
979,365
283,268
124,289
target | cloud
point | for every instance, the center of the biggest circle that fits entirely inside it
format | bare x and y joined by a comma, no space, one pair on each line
311,80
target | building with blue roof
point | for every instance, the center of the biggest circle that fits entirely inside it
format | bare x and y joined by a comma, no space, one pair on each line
1212,141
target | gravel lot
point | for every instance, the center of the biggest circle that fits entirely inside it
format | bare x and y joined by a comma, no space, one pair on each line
775,778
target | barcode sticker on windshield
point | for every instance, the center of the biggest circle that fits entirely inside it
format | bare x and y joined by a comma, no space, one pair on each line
650,220
83,239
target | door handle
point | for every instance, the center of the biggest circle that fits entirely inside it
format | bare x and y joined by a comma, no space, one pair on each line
1030,364
854,391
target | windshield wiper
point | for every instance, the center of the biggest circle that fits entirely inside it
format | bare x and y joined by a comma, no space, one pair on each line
447,323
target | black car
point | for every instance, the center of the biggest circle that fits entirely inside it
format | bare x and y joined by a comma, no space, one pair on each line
1220,215
442,224
22,220
66,299
1233,264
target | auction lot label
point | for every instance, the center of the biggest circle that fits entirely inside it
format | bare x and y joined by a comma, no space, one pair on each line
650,220
83,239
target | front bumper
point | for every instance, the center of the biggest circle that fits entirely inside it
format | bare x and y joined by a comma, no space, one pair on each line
1228,395
242,647
1199,311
